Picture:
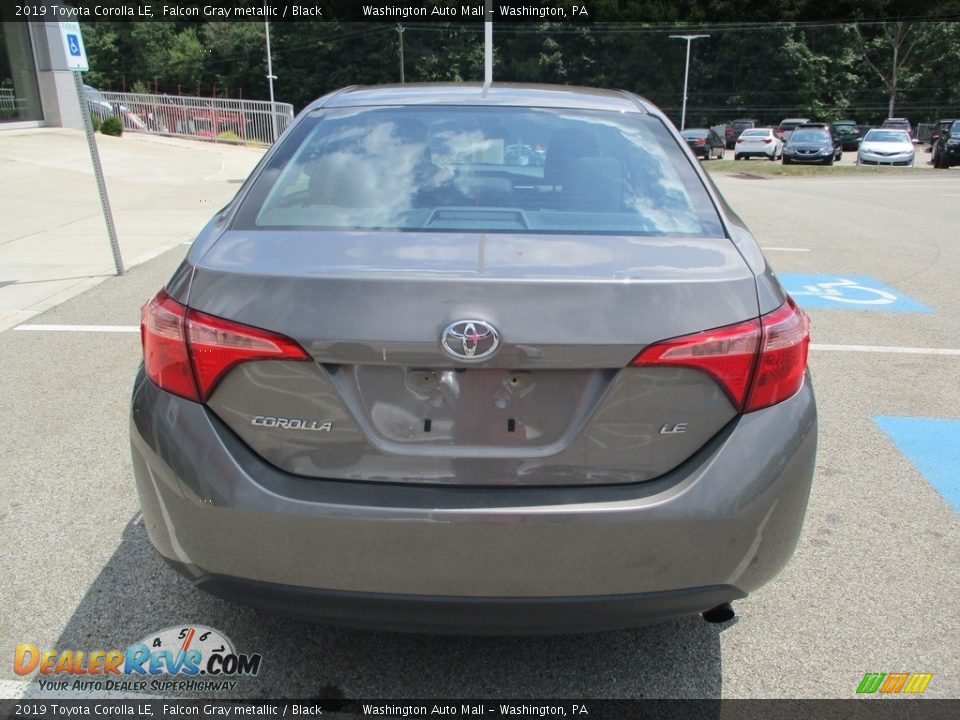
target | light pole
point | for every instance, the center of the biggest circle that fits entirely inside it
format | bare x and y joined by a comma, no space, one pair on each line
270,78
400,30
686,74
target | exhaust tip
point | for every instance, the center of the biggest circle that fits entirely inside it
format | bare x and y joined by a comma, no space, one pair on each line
720,614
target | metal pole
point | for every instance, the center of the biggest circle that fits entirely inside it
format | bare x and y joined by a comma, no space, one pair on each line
400,33
270,78
686,74
98,174
488,45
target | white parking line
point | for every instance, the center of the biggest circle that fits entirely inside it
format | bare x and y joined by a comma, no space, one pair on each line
81,328
885,349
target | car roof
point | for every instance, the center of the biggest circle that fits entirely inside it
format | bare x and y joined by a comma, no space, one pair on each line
497,94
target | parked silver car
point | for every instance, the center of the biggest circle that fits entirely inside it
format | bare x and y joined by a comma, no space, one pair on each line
882,146
403,383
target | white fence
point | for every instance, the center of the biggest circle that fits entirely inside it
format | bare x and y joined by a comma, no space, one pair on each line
9,101
220,120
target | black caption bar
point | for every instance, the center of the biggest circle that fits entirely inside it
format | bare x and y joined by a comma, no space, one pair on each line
503,11
853,709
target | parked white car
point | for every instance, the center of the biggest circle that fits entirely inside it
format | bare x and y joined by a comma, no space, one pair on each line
758,142
883,146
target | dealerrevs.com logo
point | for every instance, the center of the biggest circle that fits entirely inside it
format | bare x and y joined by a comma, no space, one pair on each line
188,658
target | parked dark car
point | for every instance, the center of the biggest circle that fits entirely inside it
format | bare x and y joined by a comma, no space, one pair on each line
398,382
938,130
705,142
899,124
812,143
734,130
947,151
849,133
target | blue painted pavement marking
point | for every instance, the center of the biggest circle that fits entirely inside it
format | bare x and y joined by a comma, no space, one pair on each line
933,446
853,292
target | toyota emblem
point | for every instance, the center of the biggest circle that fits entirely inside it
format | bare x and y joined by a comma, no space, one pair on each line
470,340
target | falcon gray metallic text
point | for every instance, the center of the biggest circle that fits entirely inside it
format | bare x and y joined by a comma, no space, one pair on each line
410,378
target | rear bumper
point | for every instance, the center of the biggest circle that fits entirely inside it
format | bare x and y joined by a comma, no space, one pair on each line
468,615
756,152
473,558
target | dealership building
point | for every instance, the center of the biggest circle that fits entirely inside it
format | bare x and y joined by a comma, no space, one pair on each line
36,89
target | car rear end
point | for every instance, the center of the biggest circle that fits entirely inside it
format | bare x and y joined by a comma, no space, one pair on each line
401,383
756,143
698,140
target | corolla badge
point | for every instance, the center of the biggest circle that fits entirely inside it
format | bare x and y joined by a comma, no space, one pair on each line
470,339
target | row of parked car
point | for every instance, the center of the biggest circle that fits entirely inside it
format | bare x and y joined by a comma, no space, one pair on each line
801,140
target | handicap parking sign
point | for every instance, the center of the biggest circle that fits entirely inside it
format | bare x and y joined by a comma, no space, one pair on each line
73,49
850,292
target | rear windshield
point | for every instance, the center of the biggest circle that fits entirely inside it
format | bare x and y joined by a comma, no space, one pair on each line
694,133
756,133
741,125
497,169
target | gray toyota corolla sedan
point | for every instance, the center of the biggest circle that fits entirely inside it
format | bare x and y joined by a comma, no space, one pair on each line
411,379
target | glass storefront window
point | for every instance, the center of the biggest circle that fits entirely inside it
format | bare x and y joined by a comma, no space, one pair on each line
19,94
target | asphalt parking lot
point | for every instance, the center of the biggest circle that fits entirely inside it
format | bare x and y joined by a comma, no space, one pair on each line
874,586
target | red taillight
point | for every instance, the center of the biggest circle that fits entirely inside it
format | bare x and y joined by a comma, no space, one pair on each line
783,357
165,356
767,141
758,363
187,352
727,354
699,141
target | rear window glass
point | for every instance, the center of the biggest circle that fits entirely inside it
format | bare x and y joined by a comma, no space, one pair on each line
694,133
755,133
499,169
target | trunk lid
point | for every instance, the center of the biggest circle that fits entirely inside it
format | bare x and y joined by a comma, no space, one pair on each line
556,404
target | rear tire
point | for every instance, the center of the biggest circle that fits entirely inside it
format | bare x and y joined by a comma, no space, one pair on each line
784,161
738,157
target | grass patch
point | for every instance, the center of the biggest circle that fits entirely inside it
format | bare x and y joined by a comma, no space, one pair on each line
765,167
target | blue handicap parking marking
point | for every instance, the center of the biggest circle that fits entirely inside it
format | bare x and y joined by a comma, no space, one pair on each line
933,446
74,44
853,292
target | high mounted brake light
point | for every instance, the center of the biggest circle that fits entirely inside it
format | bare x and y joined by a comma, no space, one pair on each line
758,363
187,352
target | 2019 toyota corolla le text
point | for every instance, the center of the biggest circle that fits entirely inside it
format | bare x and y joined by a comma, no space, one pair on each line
403,382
